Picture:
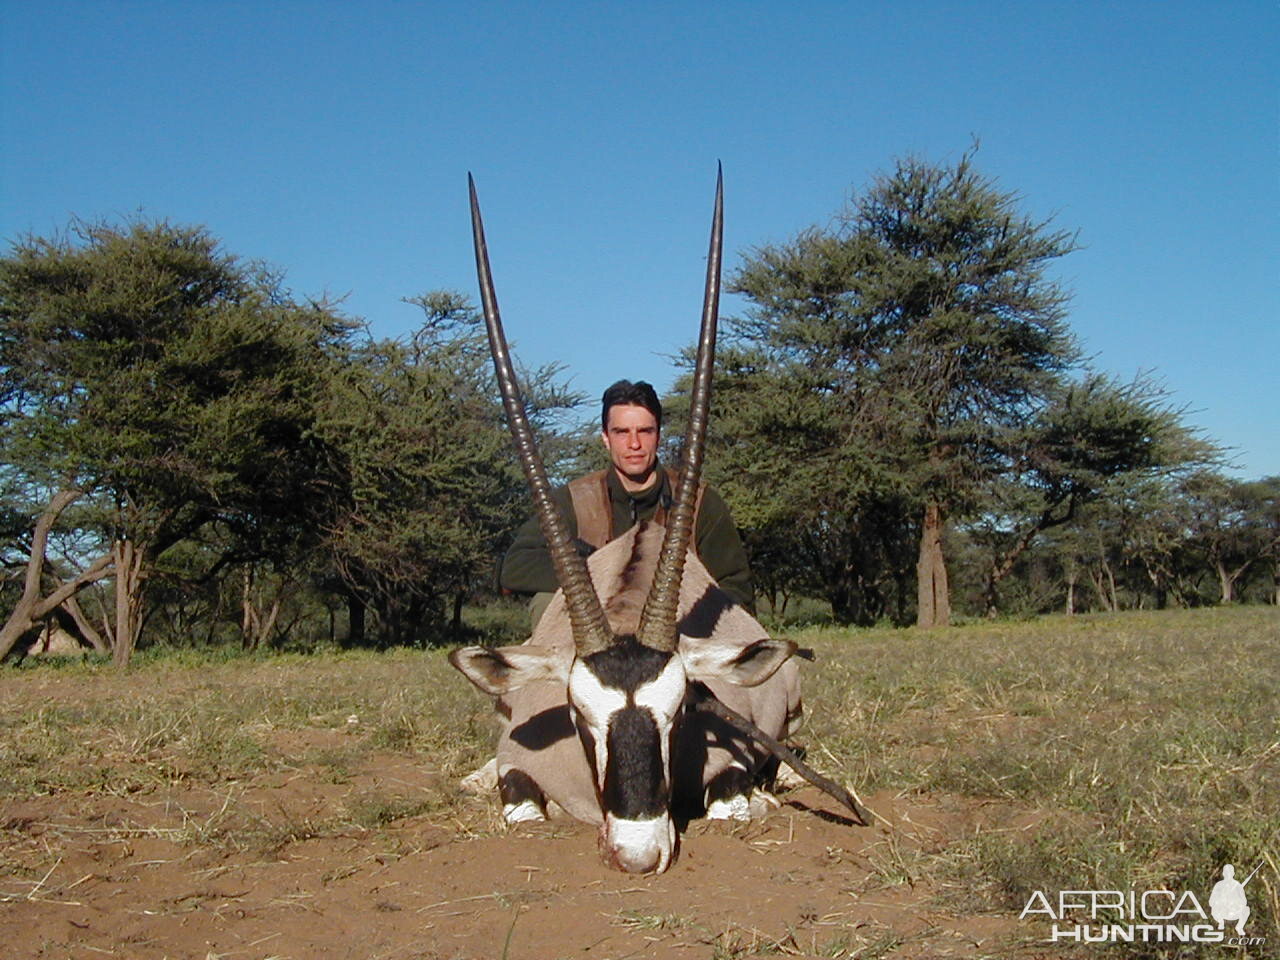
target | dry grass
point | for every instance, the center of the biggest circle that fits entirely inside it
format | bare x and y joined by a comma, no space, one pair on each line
210,726
1137,750
1134,750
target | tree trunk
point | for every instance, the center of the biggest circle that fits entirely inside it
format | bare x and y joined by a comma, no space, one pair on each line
128,563
1097,576
1226,584
269,624
1003,566
455,625
1229,578
933,608
248,614
902,587
1071,593
355,621
844,607
87,629
848,597
991,598
31,608
255,628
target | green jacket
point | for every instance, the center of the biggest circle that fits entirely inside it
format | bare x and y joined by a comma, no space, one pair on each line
526,567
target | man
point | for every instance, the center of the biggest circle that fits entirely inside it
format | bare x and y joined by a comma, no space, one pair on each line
603,505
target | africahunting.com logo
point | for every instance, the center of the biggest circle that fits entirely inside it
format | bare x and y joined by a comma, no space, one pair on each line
1149,916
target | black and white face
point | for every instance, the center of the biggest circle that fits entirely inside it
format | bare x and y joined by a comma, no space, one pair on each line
626,703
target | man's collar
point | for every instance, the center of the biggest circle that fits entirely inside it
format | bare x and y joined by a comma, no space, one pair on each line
642,498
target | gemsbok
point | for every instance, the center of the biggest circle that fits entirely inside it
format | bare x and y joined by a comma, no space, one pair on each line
600,707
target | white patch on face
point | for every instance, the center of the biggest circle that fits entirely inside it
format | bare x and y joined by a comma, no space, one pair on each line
594,704
664,695
638,846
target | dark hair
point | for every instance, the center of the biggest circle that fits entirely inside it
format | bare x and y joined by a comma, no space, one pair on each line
625,392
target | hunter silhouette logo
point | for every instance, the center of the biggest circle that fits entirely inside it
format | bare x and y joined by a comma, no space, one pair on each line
1148,916
1228,902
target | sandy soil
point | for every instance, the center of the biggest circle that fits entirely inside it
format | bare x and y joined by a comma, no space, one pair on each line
257,870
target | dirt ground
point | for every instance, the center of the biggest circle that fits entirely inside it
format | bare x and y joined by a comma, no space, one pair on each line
255,870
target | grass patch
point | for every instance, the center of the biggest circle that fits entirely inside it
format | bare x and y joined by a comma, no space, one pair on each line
736,942
639,920
196,743
1135,750
1144,748
375,809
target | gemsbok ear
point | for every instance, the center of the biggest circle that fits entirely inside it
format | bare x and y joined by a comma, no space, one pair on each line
500,670
747,666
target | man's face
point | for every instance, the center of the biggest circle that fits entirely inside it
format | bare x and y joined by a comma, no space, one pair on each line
632,441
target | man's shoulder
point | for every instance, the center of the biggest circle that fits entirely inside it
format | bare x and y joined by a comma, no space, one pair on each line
712,498
587,488
672,476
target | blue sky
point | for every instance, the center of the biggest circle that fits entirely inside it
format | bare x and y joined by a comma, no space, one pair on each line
334,141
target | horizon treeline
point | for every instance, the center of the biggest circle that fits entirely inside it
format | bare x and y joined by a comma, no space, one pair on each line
903,426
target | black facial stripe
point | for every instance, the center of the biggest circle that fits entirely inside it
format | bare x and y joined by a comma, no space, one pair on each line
635,783
589,748
626,665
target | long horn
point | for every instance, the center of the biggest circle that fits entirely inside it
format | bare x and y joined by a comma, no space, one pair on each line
591,630
658,618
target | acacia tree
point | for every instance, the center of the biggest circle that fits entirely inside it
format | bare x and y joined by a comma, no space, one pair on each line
1151,518
1233,526
1068,454
1264,503
924,325
424,486
169,381
813,480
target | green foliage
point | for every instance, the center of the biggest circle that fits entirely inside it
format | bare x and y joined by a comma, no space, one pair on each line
146,362
877,367
926,307
1088,435
1189,538
822,504
1234,528
250,447
910,368
172,383
287,482
424,486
